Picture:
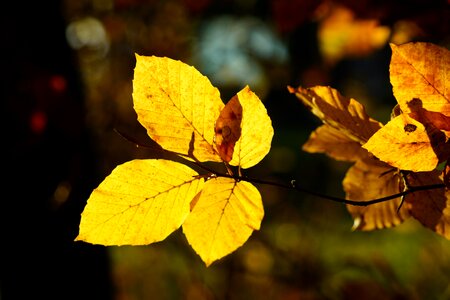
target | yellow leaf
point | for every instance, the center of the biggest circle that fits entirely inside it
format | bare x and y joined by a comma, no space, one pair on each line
407,144
177,105
371,179
256,131
335,144
430,207
140,202
223,218
344,114
420,71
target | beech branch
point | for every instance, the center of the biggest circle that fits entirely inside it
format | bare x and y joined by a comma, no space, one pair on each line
294,186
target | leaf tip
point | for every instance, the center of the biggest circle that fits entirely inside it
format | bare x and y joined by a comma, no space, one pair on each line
357,223
291,89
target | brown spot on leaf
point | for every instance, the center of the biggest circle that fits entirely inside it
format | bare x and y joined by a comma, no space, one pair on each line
410,128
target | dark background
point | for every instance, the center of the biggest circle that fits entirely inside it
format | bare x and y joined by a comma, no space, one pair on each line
64,92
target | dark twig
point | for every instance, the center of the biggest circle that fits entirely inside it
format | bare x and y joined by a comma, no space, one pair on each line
292,185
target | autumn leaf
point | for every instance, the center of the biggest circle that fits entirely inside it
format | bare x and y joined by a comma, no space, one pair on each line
139,203
347,127
143,201
228,129
177,105
223,218
334,143
407,144
420,71
417,139
344,114
341,34
256,131
430,207
371,179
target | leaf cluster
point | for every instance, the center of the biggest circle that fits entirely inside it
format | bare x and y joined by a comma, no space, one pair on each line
410,151
143,201
404,163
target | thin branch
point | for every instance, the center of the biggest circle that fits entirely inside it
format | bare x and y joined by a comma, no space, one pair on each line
293,186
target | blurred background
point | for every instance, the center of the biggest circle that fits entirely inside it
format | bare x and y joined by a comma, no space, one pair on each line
67,70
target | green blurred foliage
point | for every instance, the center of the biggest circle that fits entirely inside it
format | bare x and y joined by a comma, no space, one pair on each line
305,249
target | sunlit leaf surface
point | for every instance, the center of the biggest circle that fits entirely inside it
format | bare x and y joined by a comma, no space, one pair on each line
177,105
140,202
223,218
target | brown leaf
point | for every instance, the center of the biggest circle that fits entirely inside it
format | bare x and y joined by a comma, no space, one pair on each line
371,179
228,128
430,207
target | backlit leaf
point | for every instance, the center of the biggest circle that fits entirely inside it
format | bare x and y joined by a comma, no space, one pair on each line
140,202
420,71
407,144
344,114
335,144
256,131
177,105
372,179
223,218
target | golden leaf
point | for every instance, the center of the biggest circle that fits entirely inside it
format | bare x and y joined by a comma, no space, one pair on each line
407,144
335,144
344,114
140,202
371,179
223,218
256,131
341,35
420,71
177,105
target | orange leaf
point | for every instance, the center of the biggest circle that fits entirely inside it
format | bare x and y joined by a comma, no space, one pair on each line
341,35
408,144
228,128
420,71
371,179
177,105
335,144
344,114
223,218
430,207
